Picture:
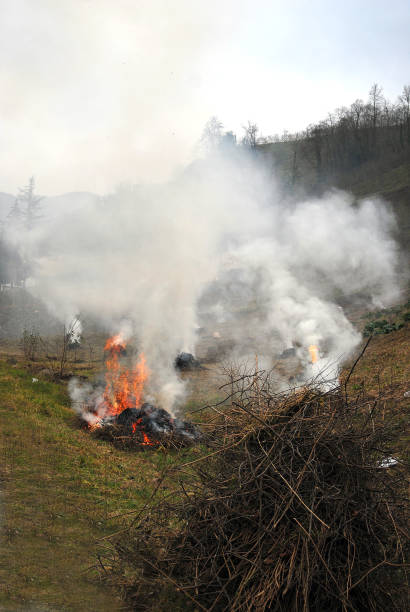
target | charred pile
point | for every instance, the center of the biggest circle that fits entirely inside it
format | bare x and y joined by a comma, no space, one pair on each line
117,411
292,510
148,426
186,362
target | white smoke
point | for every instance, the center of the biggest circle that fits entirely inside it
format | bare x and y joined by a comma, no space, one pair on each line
144,256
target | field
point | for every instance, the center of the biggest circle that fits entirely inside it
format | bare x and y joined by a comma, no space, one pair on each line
63,491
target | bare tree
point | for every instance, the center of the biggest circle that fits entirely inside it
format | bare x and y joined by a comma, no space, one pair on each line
57,351
212,134
357,111
250,138
375,103
30,342
404,100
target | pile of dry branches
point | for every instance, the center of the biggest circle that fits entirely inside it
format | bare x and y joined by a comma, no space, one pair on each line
291,510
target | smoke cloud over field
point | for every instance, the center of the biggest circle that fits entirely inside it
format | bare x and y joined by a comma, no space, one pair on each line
140,259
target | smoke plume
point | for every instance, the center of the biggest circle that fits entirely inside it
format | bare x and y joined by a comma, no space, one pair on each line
140,259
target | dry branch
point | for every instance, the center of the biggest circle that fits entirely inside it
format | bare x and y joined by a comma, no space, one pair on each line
291,511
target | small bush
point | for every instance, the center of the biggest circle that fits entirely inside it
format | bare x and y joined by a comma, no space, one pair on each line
381,327
30,343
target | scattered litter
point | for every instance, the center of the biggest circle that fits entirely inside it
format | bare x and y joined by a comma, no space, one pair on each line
388,462
407,394
34,380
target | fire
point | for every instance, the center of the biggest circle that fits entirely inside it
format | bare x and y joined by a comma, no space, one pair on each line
138,424
314,353
115,343
123,387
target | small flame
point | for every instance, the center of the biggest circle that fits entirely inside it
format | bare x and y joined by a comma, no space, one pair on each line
314,353
147,441
115,343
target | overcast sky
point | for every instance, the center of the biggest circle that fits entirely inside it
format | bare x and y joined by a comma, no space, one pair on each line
99,92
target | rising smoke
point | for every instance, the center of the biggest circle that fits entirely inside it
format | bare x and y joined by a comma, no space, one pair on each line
139,261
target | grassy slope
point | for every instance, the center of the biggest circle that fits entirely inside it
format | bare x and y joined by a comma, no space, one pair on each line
384,369
386,366
383,177
392,184
62,489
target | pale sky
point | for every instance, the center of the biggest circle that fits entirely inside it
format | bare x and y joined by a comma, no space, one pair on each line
99,92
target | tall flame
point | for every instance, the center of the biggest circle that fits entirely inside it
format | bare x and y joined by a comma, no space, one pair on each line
123,387
314,353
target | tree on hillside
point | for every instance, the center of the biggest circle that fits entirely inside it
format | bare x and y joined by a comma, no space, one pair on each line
334,149
15,216
30,203
212,134
404,101
375,106
250,138
375,101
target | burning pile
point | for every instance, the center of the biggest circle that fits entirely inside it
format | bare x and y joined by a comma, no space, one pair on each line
314,353
118,412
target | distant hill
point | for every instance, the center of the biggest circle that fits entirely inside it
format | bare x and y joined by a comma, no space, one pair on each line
385,176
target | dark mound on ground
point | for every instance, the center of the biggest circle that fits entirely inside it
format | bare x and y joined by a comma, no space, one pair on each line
156,423
186,362
291,511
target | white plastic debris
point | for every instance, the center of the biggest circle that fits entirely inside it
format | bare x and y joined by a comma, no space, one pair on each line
407,394
388,462
34,380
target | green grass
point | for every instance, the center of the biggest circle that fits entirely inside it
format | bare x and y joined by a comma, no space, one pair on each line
62,491
385,369
387,320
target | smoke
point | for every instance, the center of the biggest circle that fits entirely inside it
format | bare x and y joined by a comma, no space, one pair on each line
129,76
140,260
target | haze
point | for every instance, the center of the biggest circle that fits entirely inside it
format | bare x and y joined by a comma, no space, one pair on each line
96,93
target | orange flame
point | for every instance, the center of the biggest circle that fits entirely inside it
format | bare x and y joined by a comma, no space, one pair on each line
123,388
147,441
314,353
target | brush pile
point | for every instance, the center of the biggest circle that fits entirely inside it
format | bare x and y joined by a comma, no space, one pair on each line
292,510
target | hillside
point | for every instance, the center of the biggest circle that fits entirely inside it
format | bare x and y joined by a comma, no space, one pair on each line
384,177
62,492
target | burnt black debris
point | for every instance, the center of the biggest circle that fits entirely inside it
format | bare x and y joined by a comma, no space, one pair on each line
156,422
186,361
